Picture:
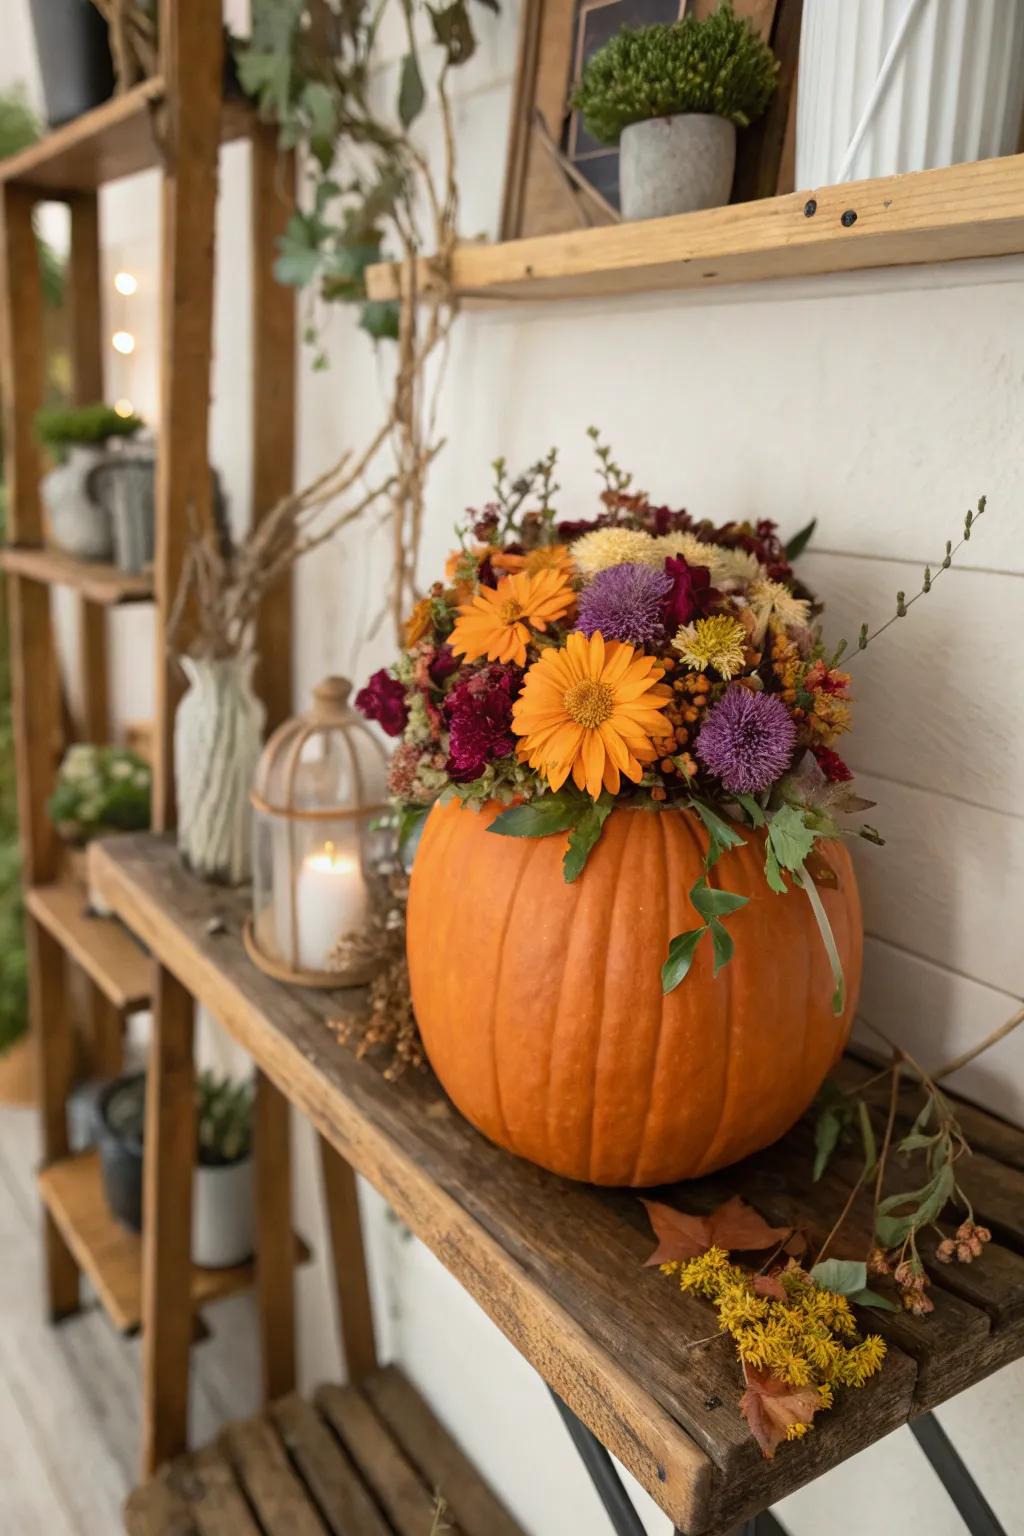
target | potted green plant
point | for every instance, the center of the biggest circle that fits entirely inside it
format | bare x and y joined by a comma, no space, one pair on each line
222,1194
79,437
672,97
98,790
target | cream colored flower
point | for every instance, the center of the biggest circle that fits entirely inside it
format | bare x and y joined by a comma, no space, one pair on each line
773,604
604,547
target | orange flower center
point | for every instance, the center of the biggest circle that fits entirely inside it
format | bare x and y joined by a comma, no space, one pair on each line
510,610
589,703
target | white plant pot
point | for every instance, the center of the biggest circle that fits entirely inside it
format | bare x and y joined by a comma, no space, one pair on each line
79,523
222,1215
676,165
906,85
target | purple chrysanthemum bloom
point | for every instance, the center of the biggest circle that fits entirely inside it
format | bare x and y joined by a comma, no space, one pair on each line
625,602
747,740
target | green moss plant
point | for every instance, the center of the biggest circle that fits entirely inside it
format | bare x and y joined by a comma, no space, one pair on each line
59,426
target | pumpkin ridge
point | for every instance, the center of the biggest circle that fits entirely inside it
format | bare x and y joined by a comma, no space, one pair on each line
566,947
592,1107
517,886
638,1159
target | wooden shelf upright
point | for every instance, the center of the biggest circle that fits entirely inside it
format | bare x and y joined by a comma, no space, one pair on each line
175,124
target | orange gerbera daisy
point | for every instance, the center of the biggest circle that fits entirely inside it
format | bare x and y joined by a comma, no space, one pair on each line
546,557
498,620
592,709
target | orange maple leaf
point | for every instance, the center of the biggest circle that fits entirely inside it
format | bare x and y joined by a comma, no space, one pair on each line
770,1406
734,1225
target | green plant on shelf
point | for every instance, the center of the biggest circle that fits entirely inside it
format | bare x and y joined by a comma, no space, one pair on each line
100,789
61,426
223,1119
718,66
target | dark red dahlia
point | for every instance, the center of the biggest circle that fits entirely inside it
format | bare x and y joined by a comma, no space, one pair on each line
832,765
444,663
691,594
479,716
383,700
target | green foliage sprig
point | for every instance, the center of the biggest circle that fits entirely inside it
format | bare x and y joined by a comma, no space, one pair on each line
59,425
100,789
718,65
223,1119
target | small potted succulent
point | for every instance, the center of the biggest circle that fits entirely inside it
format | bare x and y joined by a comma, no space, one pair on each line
99,790
79,437
222,1195
672,97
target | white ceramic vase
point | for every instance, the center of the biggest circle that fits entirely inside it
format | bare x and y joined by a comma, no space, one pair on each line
218,733
79,522
676,165
906,85
222,1215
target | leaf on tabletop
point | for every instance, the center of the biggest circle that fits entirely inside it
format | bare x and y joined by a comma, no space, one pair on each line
844,1276
770,1406
735,1225
770,1286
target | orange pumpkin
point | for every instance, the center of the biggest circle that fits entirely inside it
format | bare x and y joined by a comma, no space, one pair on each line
541,1009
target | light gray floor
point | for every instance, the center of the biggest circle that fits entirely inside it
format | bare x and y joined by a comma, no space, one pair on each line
69,1396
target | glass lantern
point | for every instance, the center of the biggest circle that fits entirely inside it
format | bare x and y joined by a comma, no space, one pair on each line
321,842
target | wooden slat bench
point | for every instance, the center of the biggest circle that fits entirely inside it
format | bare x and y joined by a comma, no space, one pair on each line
366,1461
560,1266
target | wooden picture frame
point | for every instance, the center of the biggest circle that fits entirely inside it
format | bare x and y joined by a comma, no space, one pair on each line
545,189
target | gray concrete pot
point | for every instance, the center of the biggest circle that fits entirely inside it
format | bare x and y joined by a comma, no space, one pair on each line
676,165
222,1215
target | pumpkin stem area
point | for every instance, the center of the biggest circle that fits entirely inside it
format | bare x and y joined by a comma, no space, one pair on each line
589,703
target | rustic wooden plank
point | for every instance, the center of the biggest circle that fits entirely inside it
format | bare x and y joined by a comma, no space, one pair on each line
158,1509
950,214
406,1500
216,1504
108,1253
549,1261
348,1254
167,1223
96,582
273,400
115,139
262,1467
327,1471
191,57
50,1021
436,1457
107,952
275,1262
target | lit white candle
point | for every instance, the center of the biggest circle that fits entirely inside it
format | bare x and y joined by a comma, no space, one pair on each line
330,900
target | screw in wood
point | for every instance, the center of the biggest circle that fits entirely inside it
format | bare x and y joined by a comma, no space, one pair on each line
810,208
848,218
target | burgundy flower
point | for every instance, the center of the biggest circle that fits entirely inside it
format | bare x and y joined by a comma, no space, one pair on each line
479,715
691,595
575,527
747,739
444,663
832,765
383,700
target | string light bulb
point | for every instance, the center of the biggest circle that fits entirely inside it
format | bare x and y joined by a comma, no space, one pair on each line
123,342
126,283
124,408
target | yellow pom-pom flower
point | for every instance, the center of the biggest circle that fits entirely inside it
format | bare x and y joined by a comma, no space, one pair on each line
718,641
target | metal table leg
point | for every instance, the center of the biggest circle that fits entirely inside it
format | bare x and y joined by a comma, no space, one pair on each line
971,1504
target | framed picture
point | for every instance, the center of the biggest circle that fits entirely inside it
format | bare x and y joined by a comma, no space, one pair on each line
557,176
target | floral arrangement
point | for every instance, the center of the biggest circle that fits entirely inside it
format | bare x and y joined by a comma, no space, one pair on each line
640,657
100,789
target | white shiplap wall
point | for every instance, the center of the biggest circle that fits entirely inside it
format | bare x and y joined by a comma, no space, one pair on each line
883,404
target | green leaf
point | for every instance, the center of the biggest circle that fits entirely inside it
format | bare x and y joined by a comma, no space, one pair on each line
539,818
752,809
891,1230
867,1136
410,820
379,319
721,835
915,1142
721,943
773,873
799,542
790,837
844,1276
826,1138
584,835
714,903
454,31
827,938
411,94
680,957
870,1298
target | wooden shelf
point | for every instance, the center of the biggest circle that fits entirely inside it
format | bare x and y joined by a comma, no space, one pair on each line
559,1266
370,1460
111,1256
950,214
113,140
97,583
102,946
